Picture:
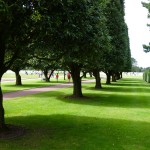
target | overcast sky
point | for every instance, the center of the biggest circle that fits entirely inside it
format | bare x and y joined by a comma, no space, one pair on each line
139,33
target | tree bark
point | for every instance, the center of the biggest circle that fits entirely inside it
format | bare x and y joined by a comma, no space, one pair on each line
113,77
84,74
98,79
108,77
77,87
49,77
90,74
46,75
2,70
2,112
64,75
118,76
18,78
121,75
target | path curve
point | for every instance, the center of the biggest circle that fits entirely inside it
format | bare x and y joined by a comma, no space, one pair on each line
10,95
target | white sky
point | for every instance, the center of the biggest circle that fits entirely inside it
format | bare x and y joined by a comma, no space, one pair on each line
139,33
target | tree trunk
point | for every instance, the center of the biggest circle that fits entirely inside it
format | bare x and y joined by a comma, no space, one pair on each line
46,75
98,79
108,76
84,74
77,87
2,119
49,77
90,74
113,77
2,70
18,78
118,76
121,75
64,75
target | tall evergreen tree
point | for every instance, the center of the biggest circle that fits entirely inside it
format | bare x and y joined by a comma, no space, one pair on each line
116,59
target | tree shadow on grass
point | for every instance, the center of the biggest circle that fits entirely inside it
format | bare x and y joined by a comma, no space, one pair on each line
110,96
130,82
69,132
111,101
97,99
125,85
121,89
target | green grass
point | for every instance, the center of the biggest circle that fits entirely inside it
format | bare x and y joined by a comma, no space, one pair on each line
114,118
28,84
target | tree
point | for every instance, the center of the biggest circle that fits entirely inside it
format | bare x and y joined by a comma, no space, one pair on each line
45,65
73,30
134,61
20,63
14,29
117,58
135,67
16,67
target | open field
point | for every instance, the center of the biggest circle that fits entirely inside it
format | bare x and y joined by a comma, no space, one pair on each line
115,117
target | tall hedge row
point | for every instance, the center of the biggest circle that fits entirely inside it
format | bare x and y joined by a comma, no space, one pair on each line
146,76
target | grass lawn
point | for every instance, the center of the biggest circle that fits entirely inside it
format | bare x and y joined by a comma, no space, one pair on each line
28,84
114,118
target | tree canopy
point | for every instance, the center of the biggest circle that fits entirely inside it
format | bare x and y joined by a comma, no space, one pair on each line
73,34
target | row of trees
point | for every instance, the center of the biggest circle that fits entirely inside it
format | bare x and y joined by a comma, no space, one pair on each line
73,35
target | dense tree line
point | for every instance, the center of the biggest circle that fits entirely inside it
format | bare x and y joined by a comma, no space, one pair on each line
73,35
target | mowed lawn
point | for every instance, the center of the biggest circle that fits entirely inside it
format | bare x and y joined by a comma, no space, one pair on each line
29,84
115,117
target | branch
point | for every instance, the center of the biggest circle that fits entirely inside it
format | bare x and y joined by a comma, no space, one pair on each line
47,59
10,62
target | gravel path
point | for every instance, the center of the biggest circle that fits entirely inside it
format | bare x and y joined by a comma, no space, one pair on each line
8,96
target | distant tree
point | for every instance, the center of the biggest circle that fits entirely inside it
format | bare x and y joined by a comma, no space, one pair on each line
16,67
45,64
135,67
134,62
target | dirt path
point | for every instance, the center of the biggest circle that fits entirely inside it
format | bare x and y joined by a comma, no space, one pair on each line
10,95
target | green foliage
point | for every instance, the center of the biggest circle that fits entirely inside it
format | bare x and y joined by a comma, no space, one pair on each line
73,29
119,59
146,48
14,31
